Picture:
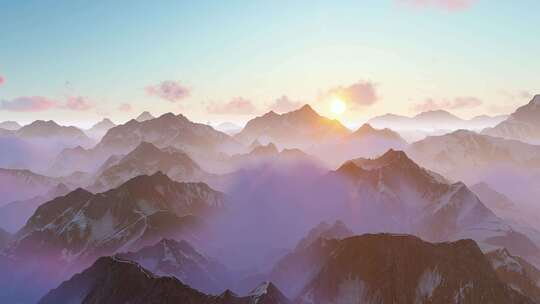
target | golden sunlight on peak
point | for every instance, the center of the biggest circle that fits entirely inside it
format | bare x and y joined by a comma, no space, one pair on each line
337,106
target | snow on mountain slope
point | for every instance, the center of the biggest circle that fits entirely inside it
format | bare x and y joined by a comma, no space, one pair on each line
112,280
147,159
181,260
82,225
385,268
456,153
516,272
394,194
523,124
200,141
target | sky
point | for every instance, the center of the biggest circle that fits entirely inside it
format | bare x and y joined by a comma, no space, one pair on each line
77,61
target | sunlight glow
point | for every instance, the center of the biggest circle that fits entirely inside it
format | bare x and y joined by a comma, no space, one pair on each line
337,106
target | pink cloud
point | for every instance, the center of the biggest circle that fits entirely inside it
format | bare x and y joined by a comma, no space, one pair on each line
362,93
125,107
237,106
27,104
456,104
168,90
285,104
448,5
2,80
77,103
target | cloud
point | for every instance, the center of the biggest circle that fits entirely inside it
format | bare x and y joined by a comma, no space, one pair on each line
125,107
2,80
237,106
447,5
168,90
284,104
456,104
27,104
362,93
511,101
77,103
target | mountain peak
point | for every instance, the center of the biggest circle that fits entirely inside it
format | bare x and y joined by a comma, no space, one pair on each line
266,289
144,116
394,155
535,100
436,114
306,110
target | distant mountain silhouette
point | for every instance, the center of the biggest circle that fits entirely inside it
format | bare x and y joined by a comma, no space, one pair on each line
434,120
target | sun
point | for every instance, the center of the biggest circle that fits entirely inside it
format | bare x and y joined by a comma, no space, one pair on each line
338,106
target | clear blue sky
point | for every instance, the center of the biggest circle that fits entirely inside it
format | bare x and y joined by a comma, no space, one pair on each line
109,53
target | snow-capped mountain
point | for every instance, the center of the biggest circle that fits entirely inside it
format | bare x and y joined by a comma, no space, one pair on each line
364,142
523,124
393,194
179,259
167,130
99,129
144,116
516,272
81,225
23,184
112,280
386,268
10,125
455,154
147,159
297,129
200,141
14,215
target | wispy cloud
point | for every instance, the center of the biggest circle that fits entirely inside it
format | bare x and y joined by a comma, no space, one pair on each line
284,104
2,80
28,104
236,106
448,5
77,103
359,94
169,90
125,107
457,103
511,101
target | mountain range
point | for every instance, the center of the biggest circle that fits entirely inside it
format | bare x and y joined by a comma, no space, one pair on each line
434,120
181,260
82,225
147,159
379,268
113,280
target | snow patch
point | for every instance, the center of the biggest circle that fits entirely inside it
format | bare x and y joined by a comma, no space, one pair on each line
427,284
